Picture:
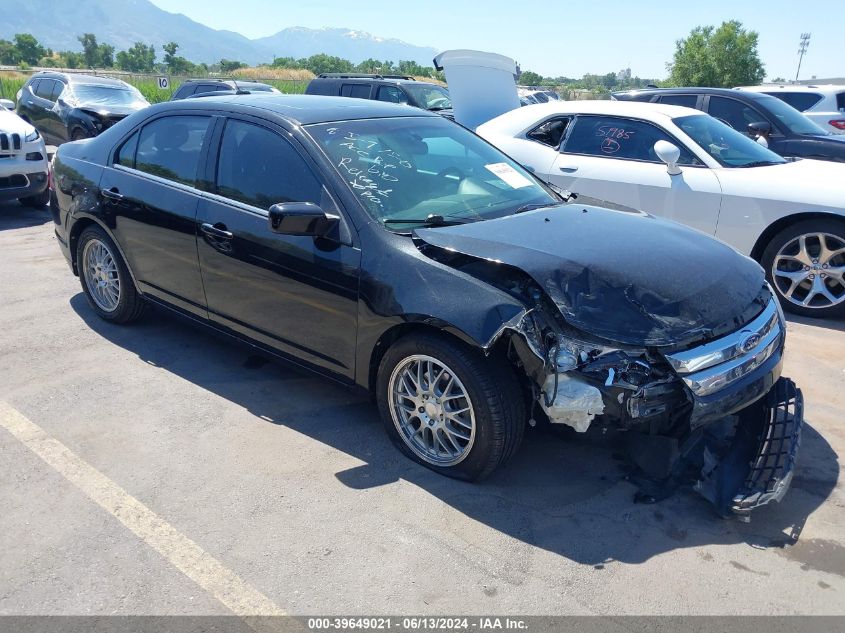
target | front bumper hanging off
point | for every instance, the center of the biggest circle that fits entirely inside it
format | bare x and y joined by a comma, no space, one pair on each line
750,463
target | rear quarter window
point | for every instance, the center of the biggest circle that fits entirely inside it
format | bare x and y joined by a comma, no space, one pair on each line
840,101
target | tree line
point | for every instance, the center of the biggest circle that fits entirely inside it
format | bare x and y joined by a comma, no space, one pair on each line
726,56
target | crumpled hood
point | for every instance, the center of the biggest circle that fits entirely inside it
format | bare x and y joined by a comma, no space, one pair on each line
624,276
108,110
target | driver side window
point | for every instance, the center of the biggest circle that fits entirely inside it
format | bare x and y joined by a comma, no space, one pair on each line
615,137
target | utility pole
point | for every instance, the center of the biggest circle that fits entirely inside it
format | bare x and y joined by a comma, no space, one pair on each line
802,48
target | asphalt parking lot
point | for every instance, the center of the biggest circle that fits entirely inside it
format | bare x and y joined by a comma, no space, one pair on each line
186,475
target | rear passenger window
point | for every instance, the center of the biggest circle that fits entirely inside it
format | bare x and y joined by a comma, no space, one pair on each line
801,101
260,168
170,147
360,91
126,154
549,132
688,101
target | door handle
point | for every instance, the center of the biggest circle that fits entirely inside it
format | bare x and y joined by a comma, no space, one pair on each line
217,230
112,194
568,168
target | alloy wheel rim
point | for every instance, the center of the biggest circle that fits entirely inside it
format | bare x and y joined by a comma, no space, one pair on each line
809,270
431,410
101,276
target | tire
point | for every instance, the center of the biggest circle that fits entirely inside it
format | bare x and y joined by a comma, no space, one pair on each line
808,253
37,201
492,428
117,303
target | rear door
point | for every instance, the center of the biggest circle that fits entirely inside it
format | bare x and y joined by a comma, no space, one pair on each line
613,158
297,295
150,191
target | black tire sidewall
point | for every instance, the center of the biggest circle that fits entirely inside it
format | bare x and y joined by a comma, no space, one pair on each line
833,226
486,453
125,305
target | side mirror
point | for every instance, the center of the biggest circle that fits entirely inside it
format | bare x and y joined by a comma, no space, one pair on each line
301,218
669,154
7,103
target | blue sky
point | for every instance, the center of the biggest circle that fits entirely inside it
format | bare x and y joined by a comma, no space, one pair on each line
553,37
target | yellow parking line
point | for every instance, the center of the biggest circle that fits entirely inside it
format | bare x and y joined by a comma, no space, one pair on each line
188,557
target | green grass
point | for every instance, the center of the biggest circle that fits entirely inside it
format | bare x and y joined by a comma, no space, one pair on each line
9,86
10,83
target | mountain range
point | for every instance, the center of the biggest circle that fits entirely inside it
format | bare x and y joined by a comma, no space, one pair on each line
121,23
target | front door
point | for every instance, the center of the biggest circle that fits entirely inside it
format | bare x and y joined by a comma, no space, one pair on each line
297,295
613,159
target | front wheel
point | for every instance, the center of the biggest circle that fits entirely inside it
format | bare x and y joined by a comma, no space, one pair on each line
105,278
805,264
448,407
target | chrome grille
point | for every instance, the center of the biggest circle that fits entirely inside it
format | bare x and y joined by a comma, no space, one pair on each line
715,365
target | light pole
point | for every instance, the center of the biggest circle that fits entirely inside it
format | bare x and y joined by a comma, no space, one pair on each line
802,48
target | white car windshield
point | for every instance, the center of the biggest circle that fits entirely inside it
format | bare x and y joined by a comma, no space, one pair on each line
404,170
725,144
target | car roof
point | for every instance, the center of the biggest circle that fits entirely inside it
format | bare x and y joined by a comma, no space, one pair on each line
75,78
695,90
515,121
302,109
793,88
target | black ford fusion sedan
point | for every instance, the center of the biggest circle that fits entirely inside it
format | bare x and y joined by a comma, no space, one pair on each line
392,249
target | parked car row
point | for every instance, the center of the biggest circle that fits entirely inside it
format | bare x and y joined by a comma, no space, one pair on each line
392,250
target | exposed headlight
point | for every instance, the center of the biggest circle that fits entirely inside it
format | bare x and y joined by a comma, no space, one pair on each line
32,136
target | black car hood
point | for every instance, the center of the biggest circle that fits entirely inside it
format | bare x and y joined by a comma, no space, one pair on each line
623,276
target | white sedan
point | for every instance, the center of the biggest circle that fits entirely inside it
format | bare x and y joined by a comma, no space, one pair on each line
680,164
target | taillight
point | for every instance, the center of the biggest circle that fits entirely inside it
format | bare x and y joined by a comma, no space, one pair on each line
839,124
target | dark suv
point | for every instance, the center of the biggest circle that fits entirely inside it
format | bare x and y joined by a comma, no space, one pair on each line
69,107
390,88
198,87
785,129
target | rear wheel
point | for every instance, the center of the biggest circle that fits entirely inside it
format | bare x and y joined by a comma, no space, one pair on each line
105,278
448,407
805,263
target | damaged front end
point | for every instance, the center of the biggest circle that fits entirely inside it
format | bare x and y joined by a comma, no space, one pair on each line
720,412
712,411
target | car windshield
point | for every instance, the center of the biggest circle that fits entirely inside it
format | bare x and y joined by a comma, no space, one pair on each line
429,96
404,170
796,122
725,144
93,95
